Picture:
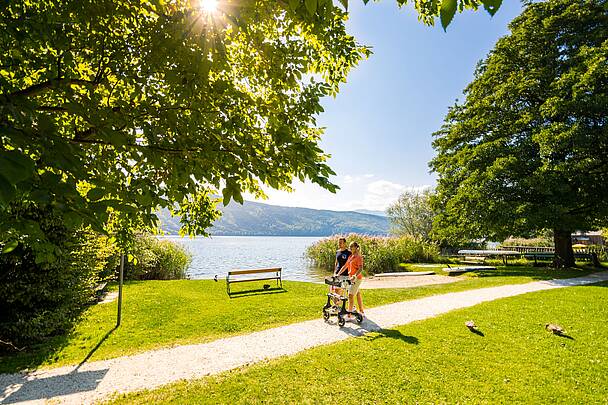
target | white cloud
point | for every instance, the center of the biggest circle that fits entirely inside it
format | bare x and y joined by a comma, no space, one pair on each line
356,192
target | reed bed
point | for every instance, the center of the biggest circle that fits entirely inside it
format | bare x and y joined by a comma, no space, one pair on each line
380,254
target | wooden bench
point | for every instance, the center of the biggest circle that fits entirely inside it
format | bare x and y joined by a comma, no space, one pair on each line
267,274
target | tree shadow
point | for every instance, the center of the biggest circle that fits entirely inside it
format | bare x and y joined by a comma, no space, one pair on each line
16,388
33,356
535,273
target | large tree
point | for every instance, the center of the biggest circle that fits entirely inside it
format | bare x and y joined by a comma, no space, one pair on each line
412,214
113,108
528,148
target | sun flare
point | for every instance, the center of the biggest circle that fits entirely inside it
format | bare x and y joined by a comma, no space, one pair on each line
208,6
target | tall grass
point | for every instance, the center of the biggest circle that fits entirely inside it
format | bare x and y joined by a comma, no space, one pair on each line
380,254
157,260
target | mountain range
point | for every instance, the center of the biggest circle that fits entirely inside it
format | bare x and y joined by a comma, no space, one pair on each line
258,219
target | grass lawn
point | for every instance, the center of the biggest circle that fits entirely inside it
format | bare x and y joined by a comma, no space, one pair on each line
165,313
512,360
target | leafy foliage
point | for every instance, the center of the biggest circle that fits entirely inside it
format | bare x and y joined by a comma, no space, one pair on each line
412,215
528,149
42,292
115,106
380,254
112,106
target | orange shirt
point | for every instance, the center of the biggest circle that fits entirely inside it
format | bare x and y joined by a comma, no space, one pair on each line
353,264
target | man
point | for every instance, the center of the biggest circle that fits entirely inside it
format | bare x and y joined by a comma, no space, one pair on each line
342,255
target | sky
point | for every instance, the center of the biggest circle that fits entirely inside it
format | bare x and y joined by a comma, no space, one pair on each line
379,128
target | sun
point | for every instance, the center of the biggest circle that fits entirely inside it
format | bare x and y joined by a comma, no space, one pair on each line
208,6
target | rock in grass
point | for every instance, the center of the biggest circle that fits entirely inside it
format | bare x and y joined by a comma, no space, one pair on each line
555,329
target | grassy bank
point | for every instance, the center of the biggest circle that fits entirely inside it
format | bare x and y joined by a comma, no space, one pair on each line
164,313
512,359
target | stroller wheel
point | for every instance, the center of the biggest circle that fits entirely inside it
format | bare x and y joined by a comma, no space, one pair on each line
341,320
359,317
325,314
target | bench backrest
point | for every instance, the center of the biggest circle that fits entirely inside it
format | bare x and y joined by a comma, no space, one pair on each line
273,270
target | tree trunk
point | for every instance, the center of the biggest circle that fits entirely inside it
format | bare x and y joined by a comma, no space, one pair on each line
564,255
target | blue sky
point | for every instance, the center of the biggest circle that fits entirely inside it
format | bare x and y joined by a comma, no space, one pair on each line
379,127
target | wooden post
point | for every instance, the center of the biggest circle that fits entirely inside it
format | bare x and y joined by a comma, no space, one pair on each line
120,276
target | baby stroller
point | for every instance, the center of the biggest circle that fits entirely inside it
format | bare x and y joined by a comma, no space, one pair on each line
336,300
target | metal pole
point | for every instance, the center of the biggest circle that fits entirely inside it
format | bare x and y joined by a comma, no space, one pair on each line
122,268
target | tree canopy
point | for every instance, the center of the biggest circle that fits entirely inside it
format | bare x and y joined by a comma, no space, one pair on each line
528,148
110,109
412,214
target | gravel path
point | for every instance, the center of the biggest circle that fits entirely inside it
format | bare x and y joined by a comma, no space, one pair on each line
96,380
406,282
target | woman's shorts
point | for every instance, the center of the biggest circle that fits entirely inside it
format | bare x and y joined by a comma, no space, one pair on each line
354,287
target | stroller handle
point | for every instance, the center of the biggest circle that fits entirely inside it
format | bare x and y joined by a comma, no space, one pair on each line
337,281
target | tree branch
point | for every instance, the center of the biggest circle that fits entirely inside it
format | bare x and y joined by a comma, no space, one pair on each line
40,87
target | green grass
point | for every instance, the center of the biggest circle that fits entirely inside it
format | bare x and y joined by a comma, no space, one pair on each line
165,313
436,361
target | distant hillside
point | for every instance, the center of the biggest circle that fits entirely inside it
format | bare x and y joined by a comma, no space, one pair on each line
372,212
257,219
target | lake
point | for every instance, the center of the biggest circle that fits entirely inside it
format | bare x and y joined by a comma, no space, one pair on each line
220,254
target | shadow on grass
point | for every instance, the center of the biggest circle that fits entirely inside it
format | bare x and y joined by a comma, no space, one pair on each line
33,356
93,350
536,273
41,353
477,332
260,291
392,334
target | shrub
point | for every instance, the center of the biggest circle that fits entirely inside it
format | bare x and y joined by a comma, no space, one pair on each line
157,260
381,254
46,283
534,242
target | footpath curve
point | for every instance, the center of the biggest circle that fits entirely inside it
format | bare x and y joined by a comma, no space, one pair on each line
96,380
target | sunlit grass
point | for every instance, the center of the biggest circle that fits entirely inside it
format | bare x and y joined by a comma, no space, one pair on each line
164,313
512,359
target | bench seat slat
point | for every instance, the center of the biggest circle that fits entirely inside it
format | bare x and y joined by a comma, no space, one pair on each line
236,272
254,279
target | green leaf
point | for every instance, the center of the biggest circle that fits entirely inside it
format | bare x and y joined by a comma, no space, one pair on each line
10,246
294,4
311,6
15,166
236,195
344,4
446,12
96,193
7,191
492,6
227,194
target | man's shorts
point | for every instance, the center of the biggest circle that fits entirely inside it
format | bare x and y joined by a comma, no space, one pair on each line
354,287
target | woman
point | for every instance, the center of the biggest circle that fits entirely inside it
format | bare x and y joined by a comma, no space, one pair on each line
354,265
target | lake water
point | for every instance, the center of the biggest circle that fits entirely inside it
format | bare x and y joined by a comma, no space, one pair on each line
220,254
